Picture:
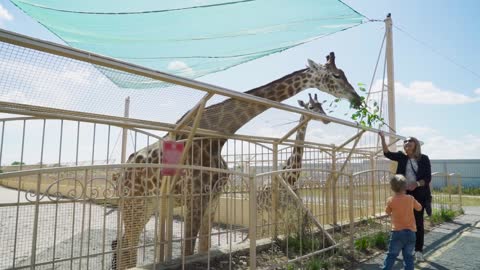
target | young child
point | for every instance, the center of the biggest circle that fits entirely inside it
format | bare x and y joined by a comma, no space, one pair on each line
400,207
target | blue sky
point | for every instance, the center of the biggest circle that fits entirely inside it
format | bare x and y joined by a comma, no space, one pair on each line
437,96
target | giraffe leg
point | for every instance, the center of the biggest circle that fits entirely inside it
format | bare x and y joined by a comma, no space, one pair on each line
195,209
134,216
204,238
206,226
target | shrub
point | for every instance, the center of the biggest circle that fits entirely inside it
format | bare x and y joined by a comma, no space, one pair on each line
443,215
362,244
317,264
378,240
16,163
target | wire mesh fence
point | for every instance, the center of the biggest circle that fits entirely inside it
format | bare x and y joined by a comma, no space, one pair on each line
73,197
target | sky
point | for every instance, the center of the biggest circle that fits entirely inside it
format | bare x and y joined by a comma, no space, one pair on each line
437,66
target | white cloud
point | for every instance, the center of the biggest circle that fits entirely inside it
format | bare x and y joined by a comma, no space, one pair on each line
5,15
438,146
15,96
27,84
417,131
181,67
427,93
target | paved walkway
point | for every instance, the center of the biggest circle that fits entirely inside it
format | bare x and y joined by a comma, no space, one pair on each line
452,245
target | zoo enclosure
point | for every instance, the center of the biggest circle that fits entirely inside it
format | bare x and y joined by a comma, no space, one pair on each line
64,216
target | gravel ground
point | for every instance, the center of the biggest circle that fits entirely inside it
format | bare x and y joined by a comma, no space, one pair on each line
67,230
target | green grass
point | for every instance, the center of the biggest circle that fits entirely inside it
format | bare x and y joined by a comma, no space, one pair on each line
471,201
312,264
471,191
444,215
378,240
303,245
317,264
455,190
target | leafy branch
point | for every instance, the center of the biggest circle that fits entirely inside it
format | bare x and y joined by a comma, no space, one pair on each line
367,116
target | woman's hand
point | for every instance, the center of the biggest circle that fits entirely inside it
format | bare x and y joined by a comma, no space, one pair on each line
412,186
384,144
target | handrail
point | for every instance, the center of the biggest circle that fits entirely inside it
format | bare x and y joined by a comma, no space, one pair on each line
301,170
367,171
114,166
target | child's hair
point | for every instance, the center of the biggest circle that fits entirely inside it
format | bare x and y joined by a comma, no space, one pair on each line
398,183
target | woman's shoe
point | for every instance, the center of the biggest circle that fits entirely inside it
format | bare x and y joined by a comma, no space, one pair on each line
419,256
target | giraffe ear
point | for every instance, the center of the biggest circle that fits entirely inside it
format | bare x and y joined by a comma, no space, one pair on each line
313,65
301,103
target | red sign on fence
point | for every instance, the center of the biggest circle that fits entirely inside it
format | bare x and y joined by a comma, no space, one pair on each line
172,153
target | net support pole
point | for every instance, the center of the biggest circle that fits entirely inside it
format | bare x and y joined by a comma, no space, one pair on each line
390,77
125,131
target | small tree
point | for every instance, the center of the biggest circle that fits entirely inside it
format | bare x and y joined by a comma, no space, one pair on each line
17,163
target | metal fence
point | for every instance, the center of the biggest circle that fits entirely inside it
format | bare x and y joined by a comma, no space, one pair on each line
236,201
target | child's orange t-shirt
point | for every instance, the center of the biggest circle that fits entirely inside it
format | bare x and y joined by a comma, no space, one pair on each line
400,208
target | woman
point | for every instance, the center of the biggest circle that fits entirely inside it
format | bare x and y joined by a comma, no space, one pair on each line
417,169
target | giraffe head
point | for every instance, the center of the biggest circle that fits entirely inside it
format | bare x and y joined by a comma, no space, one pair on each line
313,105
330,79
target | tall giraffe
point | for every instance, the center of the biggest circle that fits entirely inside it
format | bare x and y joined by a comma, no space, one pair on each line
226,117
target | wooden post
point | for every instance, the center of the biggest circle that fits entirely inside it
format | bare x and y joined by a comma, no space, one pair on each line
202,246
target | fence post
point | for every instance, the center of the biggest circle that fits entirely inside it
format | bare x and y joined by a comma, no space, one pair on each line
450,190
350,213
252,230
459,181
374,178
334,188
275,190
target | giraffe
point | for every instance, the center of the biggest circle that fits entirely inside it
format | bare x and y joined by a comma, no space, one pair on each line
226,117
294,161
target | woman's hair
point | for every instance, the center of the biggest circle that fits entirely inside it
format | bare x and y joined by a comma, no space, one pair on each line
398,183
418,148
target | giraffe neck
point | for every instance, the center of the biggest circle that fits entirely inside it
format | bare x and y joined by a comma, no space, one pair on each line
300,138
231,114
295,159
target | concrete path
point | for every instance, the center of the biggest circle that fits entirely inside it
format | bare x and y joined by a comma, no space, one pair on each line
452,245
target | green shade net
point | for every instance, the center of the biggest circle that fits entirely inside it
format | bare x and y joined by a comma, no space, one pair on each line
190,38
